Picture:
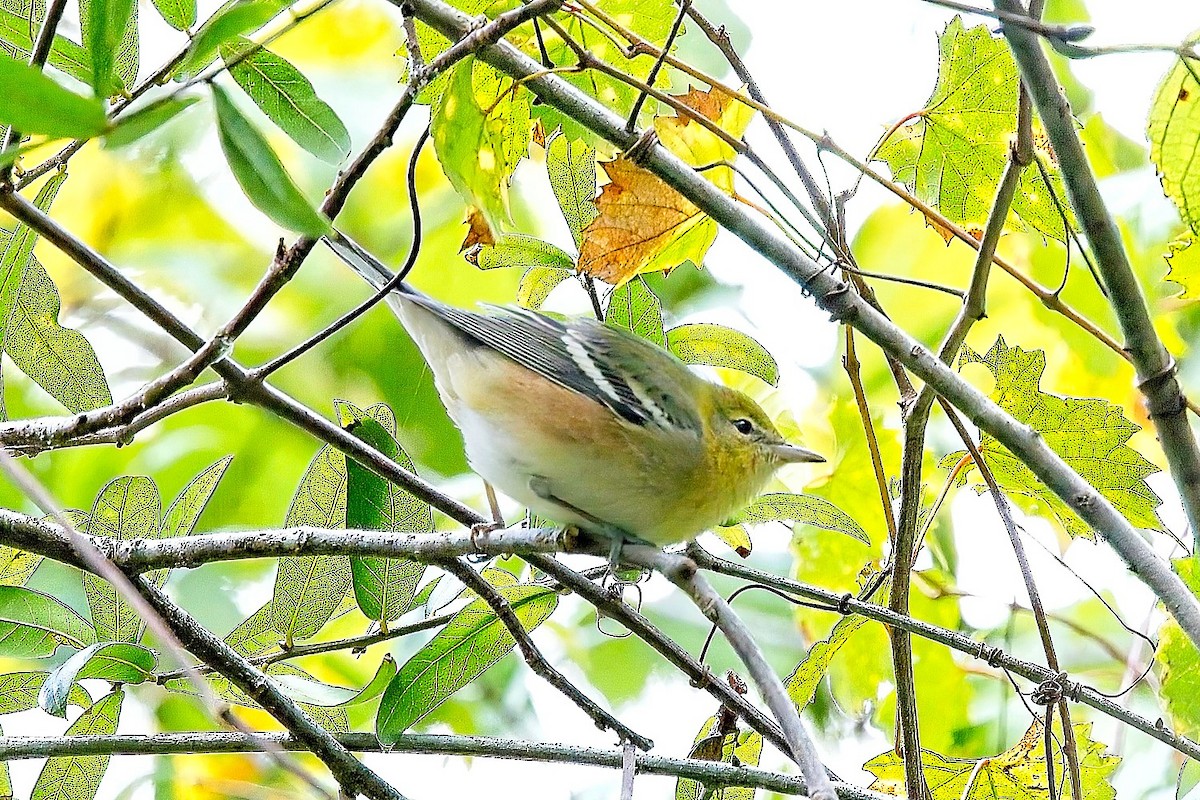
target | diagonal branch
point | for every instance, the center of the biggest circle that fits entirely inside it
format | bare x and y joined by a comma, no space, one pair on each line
837,298
1156,369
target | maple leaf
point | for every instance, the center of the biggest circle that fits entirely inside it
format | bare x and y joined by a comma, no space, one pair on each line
644,225
952,153
1090,434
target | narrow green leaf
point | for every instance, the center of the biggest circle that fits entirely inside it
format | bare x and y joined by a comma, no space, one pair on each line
803,508
231,20
310,589
78,777
134,126
634,307
19,692
126,508
571,165
16,39
179,14
60,360
471,642
288,99
117,662
261,174
124,55
33,103
519,250
383,587
33,625
185,509
718,346
537,283
103,35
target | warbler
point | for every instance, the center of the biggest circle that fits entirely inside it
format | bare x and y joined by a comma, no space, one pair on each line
587,424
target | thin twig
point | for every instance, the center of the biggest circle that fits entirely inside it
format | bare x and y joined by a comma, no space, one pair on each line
534,658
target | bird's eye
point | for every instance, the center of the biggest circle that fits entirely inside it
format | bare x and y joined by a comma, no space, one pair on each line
744,426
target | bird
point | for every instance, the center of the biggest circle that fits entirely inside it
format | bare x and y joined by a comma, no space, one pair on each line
587,424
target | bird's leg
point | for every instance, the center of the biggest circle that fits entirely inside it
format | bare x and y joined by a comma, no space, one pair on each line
617,536
482,529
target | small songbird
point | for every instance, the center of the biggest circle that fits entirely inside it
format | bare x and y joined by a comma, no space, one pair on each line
587,424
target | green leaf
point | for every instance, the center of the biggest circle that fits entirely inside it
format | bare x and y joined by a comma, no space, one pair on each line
17,566
1174,134
126,508
134,126
953,152
260,173
231,20
718,346
737,537
1091,435
802,684
58,359
117,662
732,746
33,103
1184,266
179,14
16,40
474,142
571,165
519,250
33,625
650,21
309,589
288,100
1178,663
471,642
186,508
123,55
383,587
805,509
634,307
256,633
78,777
537,283
19,692
103,35
1018,773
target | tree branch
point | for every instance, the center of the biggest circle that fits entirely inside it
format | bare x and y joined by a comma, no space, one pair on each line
711,773
1156,369
836,297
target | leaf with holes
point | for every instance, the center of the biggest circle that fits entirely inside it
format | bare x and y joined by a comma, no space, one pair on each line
472,641
1091,435
952,153
738,747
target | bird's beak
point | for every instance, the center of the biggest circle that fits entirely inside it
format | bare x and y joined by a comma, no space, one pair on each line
791,454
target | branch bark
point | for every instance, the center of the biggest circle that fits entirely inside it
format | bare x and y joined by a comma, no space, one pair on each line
837,298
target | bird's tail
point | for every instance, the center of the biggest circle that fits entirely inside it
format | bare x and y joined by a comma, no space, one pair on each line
369,268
